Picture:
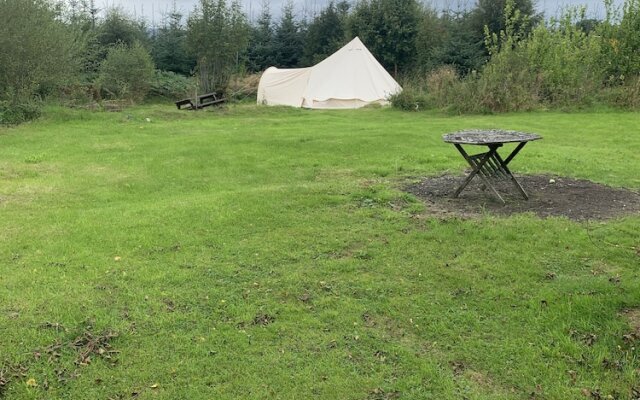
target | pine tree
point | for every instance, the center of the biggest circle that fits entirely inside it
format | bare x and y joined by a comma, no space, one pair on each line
326,33
289,41
388,28
261,45
170,46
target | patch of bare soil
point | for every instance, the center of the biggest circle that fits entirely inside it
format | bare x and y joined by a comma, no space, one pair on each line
633,316
549,196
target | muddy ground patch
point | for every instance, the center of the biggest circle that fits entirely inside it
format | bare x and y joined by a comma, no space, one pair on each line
549,196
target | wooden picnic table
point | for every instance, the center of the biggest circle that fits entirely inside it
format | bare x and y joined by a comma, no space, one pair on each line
490,166
205,100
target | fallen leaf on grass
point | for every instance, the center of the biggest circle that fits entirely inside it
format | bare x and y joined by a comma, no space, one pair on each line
263,319
589,339
574,376
458,367
305,297
171,306
31,382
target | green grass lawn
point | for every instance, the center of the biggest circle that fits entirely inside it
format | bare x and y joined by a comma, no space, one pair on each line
271,253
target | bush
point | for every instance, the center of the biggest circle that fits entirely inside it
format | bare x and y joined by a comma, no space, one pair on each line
625,96
506,84
409,99
244,86
17,112
621,41
171,85
566,60
38,55
127,73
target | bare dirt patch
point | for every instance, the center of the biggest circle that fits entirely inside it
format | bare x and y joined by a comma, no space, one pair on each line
633,316
549,196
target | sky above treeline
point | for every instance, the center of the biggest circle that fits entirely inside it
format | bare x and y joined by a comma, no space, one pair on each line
153,10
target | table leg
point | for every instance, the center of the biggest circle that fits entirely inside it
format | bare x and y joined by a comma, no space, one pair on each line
477,170
503,164
514,153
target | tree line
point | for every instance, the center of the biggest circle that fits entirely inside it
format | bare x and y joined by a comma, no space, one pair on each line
73,50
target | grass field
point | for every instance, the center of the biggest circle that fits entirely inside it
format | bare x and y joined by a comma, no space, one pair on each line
271,253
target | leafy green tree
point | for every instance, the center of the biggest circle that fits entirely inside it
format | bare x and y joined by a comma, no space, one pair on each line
326,33
491,13
621,47
217,36
169,49
127,72
261,44
38,52
288,40
118,27
389,29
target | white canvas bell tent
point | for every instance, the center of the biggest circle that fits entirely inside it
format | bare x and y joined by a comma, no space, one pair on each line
349,78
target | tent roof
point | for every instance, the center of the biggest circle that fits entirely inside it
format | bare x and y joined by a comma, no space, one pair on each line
350,73
349,78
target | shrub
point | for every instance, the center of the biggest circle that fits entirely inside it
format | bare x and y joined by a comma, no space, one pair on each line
566,60
626,95
171,85
17,112
443,86
38,55
506,84
244,86
127,73
621,41
409,99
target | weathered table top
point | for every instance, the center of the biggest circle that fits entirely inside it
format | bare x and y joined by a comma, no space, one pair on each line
490,136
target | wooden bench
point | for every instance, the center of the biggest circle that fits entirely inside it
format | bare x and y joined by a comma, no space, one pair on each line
205,100
210,99
185,102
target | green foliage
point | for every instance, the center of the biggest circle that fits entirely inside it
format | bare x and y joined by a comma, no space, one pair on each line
38,52
625,95
493,15
217,36
288,44
388,28
621,47
409,99
447,39
565,60
118,27
127,72
326,33
505,84
171,85
261,53
557,64
19,111
169,49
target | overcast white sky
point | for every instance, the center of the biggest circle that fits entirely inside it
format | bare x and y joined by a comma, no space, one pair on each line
152,10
